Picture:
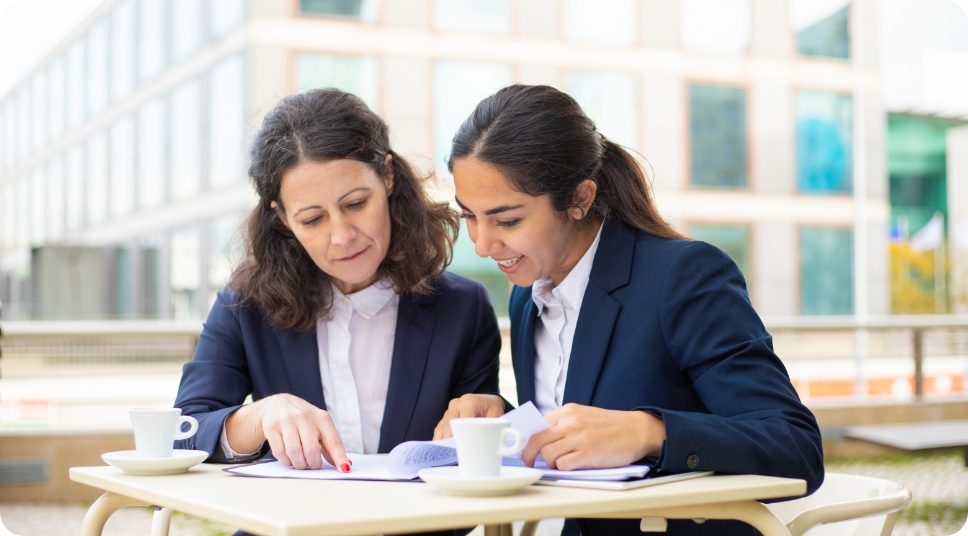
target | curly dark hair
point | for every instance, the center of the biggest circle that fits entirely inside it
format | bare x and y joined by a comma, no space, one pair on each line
321,125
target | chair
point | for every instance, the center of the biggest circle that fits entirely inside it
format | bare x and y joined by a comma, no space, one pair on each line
859,505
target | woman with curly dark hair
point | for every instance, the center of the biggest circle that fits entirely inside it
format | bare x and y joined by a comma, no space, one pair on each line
341,321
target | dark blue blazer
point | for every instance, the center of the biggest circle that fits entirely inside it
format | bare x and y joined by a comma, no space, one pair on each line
666,326
446,345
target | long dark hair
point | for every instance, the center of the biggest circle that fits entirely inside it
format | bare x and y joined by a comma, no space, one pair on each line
278,274
543,143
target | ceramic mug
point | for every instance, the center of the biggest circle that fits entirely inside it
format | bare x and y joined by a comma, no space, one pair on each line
481,443
156,428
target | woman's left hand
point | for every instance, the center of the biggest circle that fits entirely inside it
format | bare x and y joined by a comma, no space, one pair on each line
589,437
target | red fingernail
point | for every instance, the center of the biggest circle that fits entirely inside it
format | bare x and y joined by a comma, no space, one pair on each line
345,468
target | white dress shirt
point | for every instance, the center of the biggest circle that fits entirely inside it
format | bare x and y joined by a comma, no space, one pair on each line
355,353
554,329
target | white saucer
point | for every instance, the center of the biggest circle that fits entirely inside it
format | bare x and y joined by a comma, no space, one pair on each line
511,480
129,462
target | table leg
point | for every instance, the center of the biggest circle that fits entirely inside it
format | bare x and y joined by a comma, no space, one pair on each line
529,528
498,530
160,521
749,512
99,512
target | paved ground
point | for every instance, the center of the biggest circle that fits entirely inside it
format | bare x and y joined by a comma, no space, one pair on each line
939,484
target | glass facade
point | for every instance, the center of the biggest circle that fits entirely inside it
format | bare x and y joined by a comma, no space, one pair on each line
609,22
224,16
353,74
151,154
822,27
184,272
122,49
56,188
717,134
38,204
74,176
56,98
458,87
122,167
97,67
226,132
184,141
186,28
361,9
824,142
826,271
96,179
38,117
491,16
75,104
151,38
611,101
733,239
715,26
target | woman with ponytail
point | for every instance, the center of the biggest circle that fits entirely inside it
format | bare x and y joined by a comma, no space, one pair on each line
636,344
341,322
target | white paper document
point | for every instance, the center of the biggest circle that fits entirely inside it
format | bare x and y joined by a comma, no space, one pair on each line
406,459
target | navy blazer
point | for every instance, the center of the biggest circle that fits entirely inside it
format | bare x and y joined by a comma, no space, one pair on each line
446,345
666,326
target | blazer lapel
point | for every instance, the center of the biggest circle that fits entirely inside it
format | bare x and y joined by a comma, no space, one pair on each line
411,347
523,352
300,353
611,270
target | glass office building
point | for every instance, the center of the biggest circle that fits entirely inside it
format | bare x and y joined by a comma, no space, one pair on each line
123,155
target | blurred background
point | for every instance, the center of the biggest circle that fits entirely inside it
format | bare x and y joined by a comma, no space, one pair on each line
823,144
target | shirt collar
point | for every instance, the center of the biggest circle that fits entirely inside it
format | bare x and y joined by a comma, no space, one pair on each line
369,301
571,291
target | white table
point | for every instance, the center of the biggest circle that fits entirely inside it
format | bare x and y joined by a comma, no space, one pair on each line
287,507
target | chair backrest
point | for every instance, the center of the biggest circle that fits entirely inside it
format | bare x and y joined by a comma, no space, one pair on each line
847,497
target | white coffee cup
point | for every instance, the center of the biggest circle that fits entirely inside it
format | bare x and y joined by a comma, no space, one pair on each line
155,429
481,443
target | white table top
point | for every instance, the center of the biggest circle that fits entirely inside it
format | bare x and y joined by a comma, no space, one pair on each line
914,436
289,507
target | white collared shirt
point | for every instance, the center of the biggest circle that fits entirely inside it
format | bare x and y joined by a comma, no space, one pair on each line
554,329
355,353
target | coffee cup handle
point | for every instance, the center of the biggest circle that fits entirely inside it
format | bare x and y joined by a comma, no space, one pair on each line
503,449
192,427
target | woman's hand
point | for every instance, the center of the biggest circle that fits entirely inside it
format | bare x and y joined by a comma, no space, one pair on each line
469,405
299,434
589,437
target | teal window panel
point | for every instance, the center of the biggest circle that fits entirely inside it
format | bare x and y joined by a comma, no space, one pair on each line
346,8
826,271
827,38
354,74
733,239
824,142
717,127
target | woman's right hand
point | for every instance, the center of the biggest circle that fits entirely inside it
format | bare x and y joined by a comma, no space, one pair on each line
299,434
469,406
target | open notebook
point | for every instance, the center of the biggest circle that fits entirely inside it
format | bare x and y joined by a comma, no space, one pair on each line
406,459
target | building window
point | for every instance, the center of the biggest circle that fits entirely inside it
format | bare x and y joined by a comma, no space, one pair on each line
9,126
609,22
353,74
717,126
824,142
23,123
97,67
74,175
458,87
22,211
492,16
151,154
4,161
151,38
364,10
826,271
55,199
185,133
39,115
224,255
226,107
55,111
733,239
8,216
715,26
76,107
96,179
186,28
122,167
122,49
185,272
224,16
38,204
823,28
611,101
